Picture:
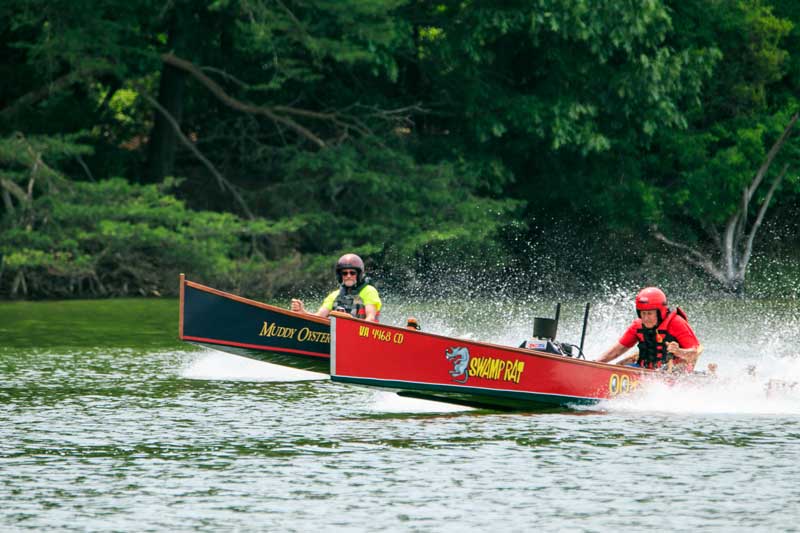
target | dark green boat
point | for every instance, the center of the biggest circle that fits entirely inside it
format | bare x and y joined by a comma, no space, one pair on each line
230,323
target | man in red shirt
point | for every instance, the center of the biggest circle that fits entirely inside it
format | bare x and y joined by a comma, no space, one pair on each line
665,339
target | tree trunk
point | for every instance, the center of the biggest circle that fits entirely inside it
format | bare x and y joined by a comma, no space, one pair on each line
162,143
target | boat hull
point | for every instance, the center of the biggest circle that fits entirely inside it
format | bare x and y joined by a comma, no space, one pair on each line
232,324
459,371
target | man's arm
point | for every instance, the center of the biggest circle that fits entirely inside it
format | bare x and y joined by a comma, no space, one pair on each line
327,304
690,355
628,359
299,307
372,313
687,348
612,353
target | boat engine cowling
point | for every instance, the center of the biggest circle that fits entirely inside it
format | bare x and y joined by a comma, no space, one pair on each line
545,328
543,345
544,335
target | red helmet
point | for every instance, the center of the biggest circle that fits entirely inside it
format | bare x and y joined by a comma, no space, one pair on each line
350,261
652,298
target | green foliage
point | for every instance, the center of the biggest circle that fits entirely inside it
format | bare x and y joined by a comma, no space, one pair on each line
296,43
77,35
406,131
73,238
115,238
731,131
381,195
689,181
576,74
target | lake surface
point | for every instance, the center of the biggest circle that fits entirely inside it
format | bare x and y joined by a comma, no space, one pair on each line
108,423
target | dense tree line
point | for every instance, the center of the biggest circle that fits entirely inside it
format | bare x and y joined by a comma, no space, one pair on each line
249,142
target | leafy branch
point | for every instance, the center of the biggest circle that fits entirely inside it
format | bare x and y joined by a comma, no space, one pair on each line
735,248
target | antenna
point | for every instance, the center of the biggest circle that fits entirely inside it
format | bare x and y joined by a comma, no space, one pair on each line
585,320
558,313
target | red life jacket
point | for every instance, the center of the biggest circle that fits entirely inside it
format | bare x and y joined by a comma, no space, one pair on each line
653,343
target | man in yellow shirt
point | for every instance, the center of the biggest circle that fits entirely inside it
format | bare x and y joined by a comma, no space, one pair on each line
354,296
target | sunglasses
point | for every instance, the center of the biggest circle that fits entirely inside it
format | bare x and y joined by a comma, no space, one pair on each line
349,272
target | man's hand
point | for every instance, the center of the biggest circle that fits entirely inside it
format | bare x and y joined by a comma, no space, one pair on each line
298,306
690,355
674,348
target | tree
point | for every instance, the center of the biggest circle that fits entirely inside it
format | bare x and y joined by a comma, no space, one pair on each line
707,199
284,107
401,128
110,238
734,246
542,91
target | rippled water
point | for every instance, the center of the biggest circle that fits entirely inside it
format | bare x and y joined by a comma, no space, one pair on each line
106,428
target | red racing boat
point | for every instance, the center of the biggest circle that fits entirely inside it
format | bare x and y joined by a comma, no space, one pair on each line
425,365
230,323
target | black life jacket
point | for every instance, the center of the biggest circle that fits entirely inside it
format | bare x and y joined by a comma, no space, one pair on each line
653,343
350,302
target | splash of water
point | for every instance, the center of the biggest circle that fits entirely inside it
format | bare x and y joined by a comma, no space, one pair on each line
389,402
212,365
739,394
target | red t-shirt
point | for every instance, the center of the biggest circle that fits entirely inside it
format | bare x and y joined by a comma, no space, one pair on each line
678,328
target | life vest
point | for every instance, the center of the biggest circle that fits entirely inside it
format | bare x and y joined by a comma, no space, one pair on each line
349,301
653,343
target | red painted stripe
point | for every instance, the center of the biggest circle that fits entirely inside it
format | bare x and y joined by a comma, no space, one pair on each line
254,346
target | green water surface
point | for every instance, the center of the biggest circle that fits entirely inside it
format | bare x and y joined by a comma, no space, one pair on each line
132,323
109,423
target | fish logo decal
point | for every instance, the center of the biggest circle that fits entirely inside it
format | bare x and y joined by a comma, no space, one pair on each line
459,356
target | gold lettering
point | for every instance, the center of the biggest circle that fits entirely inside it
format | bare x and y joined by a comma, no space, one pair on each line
478,366
272,330
268,330
473,367
485,367
306,334
509,375
381,335
303,334
613,385
516,371
496,369
496,366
